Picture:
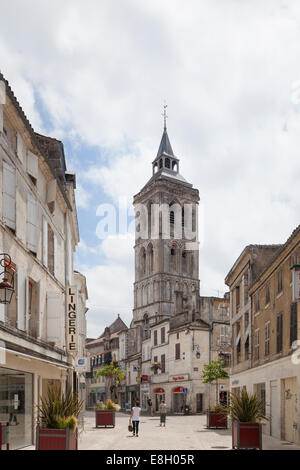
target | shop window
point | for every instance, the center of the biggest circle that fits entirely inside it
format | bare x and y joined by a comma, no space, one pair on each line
260,390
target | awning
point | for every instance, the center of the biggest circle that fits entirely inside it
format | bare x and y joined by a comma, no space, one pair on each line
178,390
53,363
159,390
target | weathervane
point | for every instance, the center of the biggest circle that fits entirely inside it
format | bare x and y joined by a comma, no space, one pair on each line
165,116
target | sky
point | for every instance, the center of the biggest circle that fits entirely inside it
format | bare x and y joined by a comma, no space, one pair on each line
96,74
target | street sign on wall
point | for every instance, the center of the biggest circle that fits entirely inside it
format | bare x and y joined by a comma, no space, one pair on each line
82,364
296,283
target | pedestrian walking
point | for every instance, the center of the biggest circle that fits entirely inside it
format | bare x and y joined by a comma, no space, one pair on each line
135,418
163,413
150,412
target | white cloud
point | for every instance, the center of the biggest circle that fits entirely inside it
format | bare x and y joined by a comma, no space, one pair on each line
226,69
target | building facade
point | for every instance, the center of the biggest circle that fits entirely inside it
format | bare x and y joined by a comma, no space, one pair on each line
102,351
39,232
266,367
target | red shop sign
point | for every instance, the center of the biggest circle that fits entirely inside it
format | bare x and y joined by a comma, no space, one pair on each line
159,390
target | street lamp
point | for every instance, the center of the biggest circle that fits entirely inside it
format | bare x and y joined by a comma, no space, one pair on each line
7,275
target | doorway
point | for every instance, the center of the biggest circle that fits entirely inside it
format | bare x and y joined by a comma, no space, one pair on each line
199,403
289,396
179,401
16,400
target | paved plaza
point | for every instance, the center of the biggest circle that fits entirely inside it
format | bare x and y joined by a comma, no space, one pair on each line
180,433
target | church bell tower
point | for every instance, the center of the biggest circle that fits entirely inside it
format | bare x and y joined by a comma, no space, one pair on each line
166,242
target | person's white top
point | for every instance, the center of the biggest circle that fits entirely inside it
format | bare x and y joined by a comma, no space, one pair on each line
136,413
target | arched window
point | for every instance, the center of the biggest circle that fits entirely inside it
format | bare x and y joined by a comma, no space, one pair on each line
155,168
184,261
143,260
174,165
167,163
173,258
150,257
160,163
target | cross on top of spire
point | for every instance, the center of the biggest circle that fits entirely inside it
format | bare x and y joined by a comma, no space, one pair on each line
165,116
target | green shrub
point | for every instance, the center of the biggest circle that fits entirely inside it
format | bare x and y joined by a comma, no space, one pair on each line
58,410
246,408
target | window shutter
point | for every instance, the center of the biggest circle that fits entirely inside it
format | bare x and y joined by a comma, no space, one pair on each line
21,300
27,304
155,337
21,150
55,254
177,351
9,195
38,328
51,191
32,164
163,363
1,117
54,317
279,332
293,323
45,243
31,223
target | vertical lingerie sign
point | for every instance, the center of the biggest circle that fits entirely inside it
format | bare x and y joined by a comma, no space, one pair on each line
72,319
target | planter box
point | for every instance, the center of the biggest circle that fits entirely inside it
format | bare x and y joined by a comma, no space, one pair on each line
215,419
56,439
105,418
246,435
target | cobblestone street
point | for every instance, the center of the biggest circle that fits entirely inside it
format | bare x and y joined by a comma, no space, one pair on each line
180,433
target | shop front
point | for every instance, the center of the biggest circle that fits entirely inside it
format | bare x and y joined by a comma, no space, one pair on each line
145,395
160,395
96,394
16,406
179,399
133,395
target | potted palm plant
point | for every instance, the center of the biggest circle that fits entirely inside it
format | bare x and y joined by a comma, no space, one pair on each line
247,413
105,413
212,373
57,428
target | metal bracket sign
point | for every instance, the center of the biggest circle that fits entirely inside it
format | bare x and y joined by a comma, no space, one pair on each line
72,319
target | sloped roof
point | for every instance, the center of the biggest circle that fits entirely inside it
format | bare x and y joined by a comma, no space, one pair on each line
33,135
165,145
